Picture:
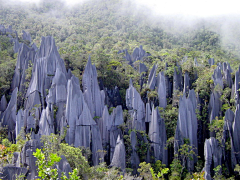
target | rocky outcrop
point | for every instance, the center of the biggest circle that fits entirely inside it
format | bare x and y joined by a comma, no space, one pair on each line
161,89
236,133
26,36
187,126
213,156
9,115
214,106
119,155
136,107
91,90
152,80
158,137
27,158
217,77
135,161
211,61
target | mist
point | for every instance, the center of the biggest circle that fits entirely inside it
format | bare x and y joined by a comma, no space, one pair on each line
173,16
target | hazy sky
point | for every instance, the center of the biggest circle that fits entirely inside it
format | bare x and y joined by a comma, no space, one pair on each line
201,8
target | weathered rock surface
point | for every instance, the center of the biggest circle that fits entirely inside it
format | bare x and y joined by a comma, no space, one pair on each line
136,107
152,78
12,172
162,91
211,61
236,133
158,137
9,115
217,77
214,106
187,125
134,156
27,158
213,156
119,155
91,90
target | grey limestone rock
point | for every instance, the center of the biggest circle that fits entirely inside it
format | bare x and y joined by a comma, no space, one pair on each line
162,92
16,159
117,116
158,136
148,113
19,121
119,155
186,86
9,115
97,148
227,70
46,126
34,47
27,158
143,73
17,45
26,36
214,106
24,60
211,61
83,128
236,133
195,62
213,156
136,107
217,77
235,87
187,126
114,133
12,172
142,68
91,90
74,107
152,78
3,103
229,158
177,80
64,166
105,124
135,161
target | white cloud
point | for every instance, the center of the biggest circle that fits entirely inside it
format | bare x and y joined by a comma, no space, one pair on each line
201,8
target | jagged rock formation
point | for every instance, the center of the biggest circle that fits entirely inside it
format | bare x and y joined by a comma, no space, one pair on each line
119,155
91,90
138,54
213,156
12,172
229,157
158,137
9,115
186,86
27,158
143,72
217,77
236,133
52,102
214,106
187,125
136,107
211,61
26,36
162,91
152,78
135,161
